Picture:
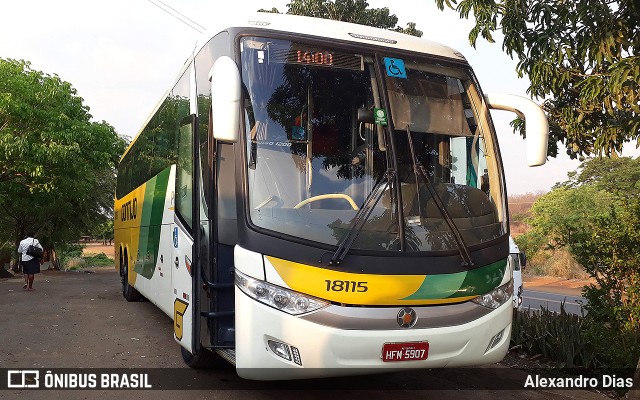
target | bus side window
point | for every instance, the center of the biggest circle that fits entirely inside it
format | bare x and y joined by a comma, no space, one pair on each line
182,124
184,174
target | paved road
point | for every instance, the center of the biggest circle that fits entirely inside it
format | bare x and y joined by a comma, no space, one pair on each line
534,299
80,320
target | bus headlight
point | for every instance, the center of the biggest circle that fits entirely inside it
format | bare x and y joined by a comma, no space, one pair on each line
287,300
496,297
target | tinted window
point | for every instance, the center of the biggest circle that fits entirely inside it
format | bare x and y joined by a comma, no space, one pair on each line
155,148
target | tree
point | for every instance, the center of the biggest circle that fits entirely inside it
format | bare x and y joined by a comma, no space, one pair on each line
57,167
355,11
582,57
104,232
596,214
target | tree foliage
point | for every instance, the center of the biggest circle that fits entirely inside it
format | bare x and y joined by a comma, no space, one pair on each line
596,215
56,165
104,231
355,11
582,57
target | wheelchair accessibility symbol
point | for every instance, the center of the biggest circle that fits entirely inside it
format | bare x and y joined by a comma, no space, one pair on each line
395,67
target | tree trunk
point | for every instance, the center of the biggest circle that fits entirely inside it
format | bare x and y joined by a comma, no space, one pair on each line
55,261
19,235
15,261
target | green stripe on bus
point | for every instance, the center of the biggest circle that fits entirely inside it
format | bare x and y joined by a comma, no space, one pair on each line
151,223
462,284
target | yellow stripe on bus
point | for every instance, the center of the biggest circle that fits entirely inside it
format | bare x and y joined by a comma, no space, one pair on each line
352,288
127,227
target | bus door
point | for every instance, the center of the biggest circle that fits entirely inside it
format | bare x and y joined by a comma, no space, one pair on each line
182,232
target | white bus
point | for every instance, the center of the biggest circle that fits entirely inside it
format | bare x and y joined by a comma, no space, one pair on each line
318,198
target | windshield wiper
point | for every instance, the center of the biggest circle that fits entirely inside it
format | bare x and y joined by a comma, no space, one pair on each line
419,168
362,216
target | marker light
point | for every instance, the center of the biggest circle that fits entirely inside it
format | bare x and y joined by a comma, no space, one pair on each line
496,297
280,349
495,340
291,302
284,350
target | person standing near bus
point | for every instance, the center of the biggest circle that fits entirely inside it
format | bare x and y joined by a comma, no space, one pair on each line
30,264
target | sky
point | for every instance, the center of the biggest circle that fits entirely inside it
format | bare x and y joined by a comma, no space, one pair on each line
122,55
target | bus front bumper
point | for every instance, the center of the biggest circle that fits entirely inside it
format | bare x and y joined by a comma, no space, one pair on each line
324,351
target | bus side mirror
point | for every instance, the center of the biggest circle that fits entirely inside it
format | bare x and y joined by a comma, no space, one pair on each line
365,116
225,99
536,125
523,260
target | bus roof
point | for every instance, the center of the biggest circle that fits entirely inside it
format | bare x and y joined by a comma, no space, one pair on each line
330,29
319,27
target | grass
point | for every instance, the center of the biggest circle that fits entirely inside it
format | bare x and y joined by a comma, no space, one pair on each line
559,263
100,260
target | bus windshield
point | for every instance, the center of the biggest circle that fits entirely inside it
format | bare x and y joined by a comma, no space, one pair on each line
319,141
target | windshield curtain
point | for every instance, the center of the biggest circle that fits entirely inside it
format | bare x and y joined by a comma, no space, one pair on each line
312,162
441,108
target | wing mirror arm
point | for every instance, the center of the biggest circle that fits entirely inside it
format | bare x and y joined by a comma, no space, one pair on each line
536,125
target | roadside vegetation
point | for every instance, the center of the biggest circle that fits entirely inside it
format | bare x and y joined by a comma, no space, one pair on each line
73,258
541,260
57,165
88,261
564,340
555,262
587,227
594,216
573,344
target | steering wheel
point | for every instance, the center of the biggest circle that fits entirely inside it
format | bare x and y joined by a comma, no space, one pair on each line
328,196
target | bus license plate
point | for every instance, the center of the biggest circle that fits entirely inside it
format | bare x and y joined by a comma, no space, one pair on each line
405,351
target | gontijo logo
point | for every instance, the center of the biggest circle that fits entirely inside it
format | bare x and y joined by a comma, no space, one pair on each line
129,210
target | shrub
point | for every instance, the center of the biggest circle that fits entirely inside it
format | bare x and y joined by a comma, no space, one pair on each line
67,252
6,253
98,260
74,263
555,336
556,262
574,341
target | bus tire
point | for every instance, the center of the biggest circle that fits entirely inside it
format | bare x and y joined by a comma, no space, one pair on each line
204,359
128,291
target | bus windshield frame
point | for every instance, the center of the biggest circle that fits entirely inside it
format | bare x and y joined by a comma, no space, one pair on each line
326,126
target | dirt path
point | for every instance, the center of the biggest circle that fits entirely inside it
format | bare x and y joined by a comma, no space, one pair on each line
97,248
572,287
80,320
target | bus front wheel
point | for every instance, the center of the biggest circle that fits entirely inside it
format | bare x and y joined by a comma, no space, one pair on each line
204,359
